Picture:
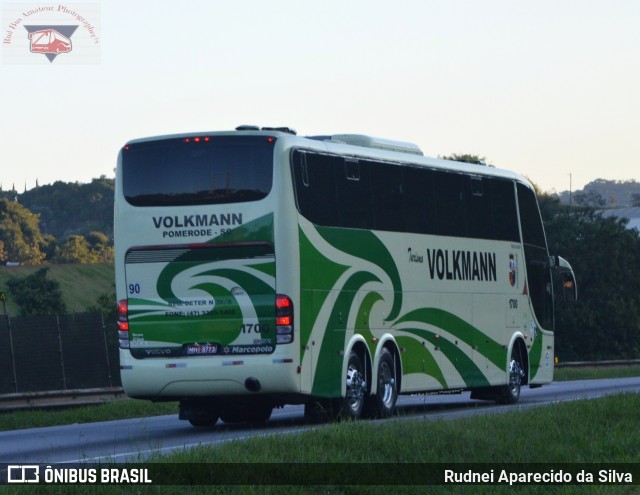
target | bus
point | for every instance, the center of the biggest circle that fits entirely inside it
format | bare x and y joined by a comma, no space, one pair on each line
257,268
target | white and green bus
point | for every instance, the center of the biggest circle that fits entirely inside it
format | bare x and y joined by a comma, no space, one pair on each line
257,268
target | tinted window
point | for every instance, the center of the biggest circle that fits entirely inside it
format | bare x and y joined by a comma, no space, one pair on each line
388,195
478,202
450,200
315,186
341,191
504,217
173,172
532,230
353,192
420,201
535,252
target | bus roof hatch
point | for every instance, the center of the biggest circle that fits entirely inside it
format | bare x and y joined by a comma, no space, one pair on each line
378,143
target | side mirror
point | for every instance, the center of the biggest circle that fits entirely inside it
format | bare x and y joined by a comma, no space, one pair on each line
567,277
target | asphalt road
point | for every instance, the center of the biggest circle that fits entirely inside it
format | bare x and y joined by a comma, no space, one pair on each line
132,440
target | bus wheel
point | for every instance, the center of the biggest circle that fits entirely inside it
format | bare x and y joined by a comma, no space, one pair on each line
387,393
356,390
511,392
200,417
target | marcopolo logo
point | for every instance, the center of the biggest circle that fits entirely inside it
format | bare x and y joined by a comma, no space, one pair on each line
31,30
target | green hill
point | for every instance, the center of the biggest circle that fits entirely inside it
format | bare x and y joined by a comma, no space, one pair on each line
81,285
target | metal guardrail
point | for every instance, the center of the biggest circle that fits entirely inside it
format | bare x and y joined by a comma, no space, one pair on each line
68,398
60,398
597,364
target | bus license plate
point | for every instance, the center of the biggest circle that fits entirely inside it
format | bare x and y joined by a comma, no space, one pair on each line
198,349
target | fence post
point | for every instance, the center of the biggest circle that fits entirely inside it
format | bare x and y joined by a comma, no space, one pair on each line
106,347
64,375
11,353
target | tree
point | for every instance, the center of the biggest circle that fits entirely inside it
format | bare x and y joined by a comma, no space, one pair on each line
101,247
466,158
590,198
37,295
20,234
75,249
67,208
605,321
635,199
94,248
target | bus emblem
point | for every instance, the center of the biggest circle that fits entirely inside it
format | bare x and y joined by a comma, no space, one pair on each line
513,270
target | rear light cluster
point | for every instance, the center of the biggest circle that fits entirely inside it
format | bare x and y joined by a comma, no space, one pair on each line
197,139
284,319
123,324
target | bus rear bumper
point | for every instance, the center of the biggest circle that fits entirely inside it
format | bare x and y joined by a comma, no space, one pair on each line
207,376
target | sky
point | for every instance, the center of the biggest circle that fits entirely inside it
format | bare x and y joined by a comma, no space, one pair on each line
549,89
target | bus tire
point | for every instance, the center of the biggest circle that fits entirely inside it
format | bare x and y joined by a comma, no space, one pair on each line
383,403
511,391
202,418
352,404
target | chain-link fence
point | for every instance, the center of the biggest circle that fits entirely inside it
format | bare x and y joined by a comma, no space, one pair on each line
66,352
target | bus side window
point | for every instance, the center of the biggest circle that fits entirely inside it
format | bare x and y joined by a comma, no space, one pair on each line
419,200
388,196
479,222
353,193
504,215
450,197
315,187
537,257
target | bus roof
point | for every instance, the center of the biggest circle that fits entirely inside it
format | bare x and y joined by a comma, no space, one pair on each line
357,145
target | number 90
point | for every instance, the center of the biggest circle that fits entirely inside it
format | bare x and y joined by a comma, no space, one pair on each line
134,288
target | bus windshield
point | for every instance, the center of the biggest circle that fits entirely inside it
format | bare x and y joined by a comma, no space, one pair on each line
197,170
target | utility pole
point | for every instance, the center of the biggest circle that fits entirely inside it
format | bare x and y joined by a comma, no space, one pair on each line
570,189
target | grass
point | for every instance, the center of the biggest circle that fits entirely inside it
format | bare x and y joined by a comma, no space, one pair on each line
596,372
590,431
596,432
81,285
120,409
538,435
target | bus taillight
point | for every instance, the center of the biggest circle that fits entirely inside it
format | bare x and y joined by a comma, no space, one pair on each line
284,319
123,323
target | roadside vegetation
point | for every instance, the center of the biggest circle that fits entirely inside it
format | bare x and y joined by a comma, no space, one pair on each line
76,286
599,431
129,408
595,372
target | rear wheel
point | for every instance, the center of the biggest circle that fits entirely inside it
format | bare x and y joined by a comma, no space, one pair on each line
383,403
201,416
352,404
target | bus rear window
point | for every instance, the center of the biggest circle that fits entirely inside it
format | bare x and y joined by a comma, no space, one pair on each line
190,171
